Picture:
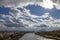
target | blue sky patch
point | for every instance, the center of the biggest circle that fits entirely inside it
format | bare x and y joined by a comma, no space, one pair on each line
4,10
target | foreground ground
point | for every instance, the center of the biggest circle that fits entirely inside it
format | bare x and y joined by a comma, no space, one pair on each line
51,34
11,35
17,35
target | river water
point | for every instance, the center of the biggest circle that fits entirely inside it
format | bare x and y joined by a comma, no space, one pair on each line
32,36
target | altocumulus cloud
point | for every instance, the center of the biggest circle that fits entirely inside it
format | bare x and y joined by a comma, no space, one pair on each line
25,17
20,3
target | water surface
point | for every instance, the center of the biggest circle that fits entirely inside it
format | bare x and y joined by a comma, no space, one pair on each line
32,36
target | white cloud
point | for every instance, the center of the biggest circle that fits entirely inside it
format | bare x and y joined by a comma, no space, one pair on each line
15,13
17,3
2,24
57,3
20,3
47,4
30,21
45,15
26,11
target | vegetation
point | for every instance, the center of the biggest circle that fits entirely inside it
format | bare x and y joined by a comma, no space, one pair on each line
11,36
17,35
51,34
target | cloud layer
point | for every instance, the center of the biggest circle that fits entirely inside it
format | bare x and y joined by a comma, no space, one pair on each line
25,18
20,3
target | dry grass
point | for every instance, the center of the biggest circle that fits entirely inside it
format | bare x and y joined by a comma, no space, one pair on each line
11,36
15,36
52,34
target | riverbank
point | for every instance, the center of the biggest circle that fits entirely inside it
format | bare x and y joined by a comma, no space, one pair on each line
11,35
51,34
17,35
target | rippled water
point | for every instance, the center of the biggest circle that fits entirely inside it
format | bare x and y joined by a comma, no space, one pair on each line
32,36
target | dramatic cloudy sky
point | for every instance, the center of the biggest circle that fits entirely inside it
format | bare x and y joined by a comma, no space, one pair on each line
30,13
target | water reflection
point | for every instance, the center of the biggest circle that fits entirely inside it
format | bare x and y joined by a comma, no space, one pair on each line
32,36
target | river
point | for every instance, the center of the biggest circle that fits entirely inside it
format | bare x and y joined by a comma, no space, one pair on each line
32,36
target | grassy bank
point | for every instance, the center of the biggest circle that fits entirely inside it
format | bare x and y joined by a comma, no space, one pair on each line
51,34
11,35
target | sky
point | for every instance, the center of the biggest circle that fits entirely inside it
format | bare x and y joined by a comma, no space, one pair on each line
30,13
